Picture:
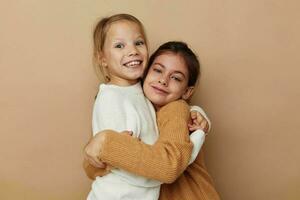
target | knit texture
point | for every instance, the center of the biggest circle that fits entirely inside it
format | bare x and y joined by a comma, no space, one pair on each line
166,160
126,108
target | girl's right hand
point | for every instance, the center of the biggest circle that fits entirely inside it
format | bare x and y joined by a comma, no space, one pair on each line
197,122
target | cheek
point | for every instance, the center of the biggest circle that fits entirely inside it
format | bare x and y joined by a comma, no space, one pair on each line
147,90
144,50
178,90
146,80
150,77
146,83
109,59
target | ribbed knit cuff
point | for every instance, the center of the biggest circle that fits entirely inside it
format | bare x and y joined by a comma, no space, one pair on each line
115,150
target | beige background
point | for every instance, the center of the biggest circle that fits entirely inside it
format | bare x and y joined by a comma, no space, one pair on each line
250,88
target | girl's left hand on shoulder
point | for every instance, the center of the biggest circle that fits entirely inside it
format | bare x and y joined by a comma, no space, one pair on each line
197,121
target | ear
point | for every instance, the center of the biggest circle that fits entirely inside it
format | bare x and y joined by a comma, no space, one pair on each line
101,59
188,93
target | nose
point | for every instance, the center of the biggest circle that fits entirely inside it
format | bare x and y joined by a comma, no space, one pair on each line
132,51
163,81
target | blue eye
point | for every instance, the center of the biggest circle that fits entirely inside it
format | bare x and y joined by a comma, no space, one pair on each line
119,46
140,43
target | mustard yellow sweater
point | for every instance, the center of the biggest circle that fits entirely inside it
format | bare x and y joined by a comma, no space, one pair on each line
166,160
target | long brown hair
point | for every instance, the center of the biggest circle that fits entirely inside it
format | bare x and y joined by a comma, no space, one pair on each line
189,57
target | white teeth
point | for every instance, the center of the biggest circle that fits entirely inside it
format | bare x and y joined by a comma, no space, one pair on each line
132,63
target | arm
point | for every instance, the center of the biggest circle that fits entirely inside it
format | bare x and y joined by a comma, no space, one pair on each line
91,167
197,138
200,122
163,161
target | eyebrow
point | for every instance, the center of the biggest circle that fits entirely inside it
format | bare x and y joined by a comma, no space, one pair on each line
138,37
178,72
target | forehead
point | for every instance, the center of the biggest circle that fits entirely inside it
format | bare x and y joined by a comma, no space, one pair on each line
172,62
124,28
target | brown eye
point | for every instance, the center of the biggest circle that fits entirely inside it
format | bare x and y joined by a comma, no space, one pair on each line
157,70
176,78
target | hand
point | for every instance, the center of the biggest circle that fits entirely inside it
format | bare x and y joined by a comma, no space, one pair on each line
197,122
129,133
92,150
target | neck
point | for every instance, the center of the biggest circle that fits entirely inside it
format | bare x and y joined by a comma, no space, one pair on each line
157,107
122,82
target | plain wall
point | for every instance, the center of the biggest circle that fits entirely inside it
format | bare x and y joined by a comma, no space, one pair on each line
250,88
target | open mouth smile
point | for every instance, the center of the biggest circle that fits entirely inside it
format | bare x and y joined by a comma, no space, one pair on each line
133,63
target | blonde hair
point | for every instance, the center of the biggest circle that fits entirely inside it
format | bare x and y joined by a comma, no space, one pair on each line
99,37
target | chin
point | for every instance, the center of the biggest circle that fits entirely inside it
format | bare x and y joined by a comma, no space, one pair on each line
156,101
134,77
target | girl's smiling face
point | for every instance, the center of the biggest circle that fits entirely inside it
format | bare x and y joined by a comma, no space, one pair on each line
167,80
125,53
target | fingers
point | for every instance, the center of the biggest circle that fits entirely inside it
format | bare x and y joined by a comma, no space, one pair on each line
195,127
199,118
204,126
99,163
192,127
95,162
193,114
196,118
91,155
130,133
127,133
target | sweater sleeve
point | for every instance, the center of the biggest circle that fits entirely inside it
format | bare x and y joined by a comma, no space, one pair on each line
163,161
109,107
197,138
92,172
